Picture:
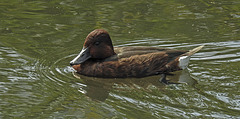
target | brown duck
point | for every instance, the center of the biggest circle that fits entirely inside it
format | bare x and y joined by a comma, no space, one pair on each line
98,58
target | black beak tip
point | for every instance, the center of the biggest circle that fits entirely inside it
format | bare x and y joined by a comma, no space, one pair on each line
71,64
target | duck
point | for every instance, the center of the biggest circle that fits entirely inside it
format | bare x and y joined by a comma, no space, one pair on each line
98,58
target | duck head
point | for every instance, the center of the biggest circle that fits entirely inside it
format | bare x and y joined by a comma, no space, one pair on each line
97,45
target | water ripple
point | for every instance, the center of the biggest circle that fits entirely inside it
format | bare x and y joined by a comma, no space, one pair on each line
56,70
53,77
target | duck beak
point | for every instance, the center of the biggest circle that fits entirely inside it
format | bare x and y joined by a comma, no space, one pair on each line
82,57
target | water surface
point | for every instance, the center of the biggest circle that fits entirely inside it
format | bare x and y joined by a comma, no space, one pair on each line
39,38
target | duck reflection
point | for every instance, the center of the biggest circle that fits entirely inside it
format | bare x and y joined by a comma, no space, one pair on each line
99,88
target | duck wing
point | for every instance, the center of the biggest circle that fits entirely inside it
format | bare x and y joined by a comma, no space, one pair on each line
125,52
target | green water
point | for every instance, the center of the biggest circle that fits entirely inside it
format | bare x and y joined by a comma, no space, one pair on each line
39,38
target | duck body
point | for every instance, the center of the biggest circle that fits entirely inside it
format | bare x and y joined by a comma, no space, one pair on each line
99,58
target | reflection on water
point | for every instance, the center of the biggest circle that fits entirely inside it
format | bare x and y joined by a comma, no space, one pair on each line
39,38
99,89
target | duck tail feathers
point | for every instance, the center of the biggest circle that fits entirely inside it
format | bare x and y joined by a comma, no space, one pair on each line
193,51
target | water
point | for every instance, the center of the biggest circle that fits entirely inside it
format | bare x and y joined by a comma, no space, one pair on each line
39,38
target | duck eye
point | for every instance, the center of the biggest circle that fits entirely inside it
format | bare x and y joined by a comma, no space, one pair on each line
97,43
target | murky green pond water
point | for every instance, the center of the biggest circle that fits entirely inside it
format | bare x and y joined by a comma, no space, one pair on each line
39,38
